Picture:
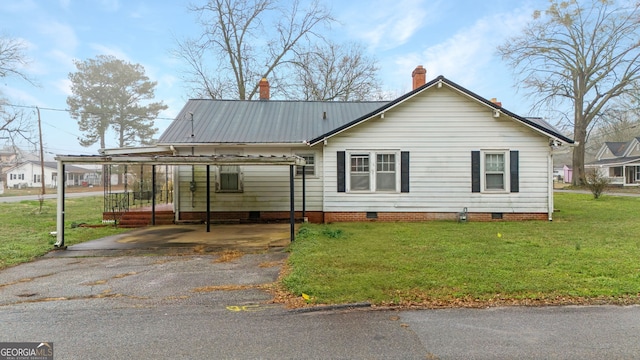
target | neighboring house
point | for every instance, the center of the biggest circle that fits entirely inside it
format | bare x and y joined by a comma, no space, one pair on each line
619,161
29,174
562,174
433,153
10,156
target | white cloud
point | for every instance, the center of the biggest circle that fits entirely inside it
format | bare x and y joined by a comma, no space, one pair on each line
64,86
18,6
19,96
61,36
466,56
389,24
110,5
113,51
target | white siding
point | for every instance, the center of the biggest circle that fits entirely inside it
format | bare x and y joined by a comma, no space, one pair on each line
440,128
265,188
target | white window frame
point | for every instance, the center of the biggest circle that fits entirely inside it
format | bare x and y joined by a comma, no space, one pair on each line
506,171
313,167
36,178
373,166
220,171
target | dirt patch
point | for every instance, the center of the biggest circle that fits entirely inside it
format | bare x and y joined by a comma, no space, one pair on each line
228,256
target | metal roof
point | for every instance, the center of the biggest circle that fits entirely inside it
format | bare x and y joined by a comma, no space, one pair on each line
206,121
260,122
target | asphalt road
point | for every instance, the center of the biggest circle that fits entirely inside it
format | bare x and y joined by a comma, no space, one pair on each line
142,306
48,196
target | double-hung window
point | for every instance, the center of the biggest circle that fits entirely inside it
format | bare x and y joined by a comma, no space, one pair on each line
360,172
494,171
373,172
309,168
386,172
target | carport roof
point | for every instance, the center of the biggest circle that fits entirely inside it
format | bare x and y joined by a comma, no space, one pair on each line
166,159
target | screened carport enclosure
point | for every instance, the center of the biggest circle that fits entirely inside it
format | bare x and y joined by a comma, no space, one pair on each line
136,188
144,182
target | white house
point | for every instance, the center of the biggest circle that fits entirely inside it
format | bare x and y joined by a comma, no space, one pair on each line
619,161
29,174
433,153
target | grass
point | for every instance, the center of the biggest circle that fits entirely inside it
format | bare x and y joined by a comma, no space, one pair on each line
590,253
24,229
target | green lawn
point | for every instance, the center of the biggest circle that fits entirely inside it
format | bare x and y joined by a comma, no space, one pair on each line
590,253
24,229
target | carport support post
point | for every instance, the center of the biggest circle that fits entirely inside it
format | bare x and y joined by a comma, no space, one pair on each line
304,195
153,195
292,204
60,219
208,198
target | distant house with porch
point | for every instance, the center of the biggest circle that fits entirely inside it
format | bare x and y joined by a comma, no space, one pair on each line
28,174
619,161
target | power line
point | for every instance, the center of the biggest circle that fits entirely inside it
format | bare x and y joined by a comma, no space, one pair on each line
69,111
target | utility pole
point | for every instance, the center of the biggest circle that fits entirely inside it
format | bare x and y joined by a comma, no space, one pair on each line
41,159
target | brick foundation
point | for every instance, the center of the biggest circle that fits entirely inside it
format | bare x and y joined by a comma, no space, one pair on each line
318,217
330,217
247,216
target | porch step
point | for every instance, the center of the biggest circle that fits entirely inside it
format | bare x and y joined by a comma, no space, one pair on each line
134,219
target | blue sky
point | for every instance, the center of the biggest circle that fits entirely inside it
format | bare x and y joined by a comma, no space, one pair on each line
454,38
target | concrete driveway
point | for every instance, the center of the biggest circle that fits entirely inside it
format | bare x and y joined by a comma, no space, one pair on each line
161,264
186,239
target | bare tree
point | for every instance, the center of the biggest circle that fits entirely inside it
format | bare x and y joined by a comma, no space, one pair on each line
582,54
248,40
335,72
15,125
12,57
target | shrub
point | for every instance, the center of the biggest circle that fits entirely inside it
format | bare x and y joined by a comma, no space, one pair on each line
596,182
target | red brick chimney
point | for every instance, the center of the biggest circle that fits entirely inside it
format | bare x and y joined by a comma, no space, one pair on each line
419,76
495,101
264,89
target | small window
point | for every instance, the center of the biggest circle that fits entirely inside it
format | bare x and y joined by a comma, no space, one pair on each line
36,178
309,168
229,178
615,171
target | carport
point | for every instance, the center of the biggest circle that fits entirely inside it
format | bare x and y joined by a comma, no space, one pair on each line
173,160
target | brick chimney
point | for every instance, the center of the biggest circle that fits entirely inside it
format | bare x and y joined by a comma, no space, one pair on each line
419,76
495,101
264,89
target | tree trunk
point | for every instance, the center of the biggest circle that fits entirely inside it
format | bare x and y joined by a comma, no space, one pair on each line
580,138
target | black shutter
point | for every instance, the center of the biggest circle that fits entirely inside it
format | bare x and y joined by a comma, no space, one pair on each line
513,169
404,171
475,171
341,172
